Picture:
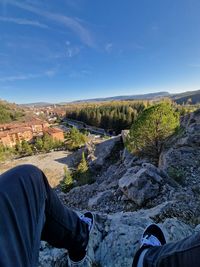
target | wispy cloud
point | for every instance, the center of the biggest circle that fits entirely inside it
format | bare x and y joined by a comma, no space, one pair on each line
50,73
71,23
194,65
109,47
80,74
21,77
23,22
72,51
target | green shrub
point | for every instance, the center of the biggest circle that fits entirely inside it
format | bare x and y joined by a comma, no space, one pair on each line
67,182
75,139
83,174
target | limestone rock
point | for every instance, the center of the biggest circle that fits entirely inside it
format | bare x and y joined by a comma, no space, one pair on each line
141,184
181,157
98,155
115,238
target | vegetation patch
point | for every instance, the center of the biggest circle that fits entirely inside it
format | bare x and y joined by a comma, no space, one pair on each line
152,129
177,173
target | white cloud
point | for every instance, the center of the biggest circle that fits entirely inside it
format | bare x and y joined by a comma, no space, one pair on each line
109,47
50,73
71,23
80,74
21,77
23,22
72,51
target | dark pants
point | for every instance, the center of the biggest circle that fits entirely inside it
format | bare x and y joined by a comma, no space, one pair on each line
30,211
185,253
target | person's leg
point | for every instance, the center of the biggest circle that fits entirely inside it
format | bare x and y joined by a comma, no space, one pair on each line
27,206
184,253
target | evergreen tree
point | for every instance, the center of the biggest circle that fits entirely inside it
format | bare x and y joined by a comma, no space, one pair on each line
150,131
75,139
48,143
26,149
83,166
67,182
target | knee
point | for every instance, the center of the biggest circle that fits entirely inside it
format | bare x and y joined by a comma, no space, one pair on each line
25,172
27,169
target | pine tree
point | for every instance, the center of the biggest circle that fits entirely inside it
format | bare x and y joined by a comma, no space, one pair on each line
83,166
151,129
67,182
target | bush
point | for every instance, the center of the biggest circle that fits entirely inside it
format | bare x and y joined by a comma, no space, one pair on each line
75,139
83,174
6,153
67,182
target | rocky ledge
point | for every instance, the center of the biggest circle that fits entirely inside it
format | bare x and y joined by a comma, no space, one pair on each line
129,193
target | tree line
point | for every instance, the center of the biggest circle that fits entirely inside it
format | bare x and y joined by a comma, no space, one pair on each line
113,117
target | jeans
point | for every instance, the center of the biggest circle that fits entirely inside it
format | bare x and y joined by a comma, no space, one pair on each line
30,211
184,253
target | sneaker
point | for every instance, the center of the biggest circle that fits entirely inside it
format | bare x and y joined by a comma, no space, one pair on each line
152,236
85,262
87,218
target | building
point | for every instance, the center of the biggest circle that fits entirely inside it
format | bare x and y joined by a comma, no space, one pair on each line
55,133
11,137
12,133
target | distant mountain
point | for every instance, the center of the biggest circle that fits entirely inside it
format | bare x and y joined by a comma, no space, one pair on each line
192,97
126,97
37,104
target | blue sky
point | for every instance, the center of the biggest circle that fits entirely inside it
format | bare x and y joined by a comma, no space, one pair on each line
66,50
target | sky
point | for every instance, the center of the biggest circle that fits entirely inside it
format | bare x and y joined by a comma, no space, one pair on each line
65,50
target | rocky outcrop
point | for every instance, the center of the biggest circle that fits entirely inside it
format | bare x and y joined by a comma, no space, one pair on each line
115,238
181,156
97,155
129,193
141,184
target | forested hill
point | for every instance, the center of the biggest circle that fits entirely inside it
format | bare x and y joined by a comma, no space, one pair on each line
10,112
111,116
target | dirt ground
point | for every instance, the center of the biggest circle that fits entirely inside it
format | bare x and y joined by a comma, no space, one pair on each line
52,164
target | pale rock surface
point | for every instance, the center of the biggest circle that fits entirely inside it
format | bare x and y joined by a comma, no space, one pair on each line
115,238
141,184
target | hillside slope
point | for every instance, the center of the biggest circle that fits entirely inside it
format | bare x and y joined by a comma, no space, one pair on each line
10,112
129,193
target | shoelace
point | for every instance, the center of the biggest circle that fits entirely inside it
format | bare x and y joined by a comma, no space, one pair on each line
87,220
150,240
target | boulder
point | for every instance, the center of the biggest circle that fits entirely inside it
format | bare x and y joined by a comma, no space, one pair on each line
141,184
98,155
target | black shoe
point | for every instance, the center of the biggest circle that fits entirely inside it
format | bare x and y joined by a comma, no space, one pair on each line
152,236
84,259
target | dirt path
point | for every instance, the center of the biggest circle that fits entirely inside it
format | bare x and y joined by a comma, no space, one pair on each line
52,164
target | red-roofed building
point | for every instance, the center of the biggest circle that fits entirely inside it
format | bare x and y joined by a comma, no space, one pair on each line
55,133
12,133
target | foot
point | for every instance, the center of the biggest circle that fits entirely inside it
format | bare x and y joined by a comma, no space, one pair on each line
87,218
152,236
